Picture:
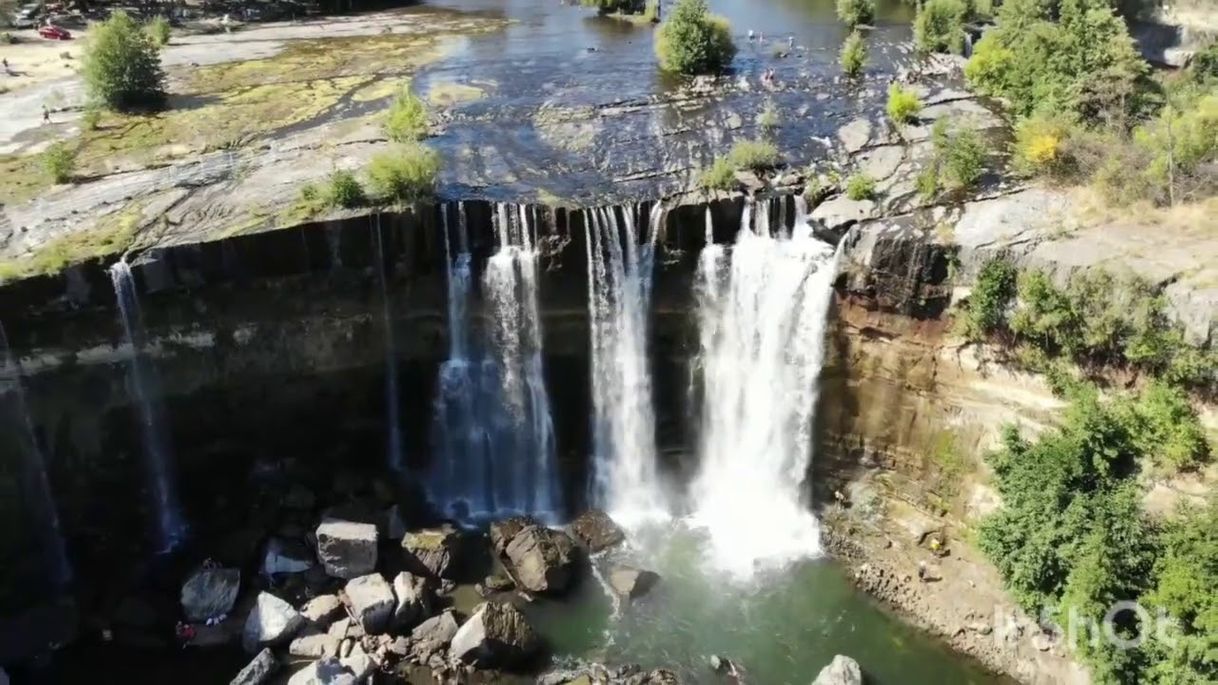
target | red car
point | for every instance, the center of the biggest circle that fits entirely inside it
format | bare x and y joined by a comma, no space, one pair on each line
54,33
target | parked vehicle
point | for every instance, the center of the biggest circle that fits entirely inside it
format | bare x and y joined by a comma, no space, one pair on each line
25,18
52,32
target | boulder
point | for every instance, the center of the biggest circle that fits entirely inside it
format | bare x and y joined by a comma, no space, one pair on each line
325,671
415,599
256,672
323,610
596,531
497,635
285,556
360,663
841,671
436,632
210,592
542,560
346,628
504,530
631,583
346,549
434,552
314,646
272,621
371,602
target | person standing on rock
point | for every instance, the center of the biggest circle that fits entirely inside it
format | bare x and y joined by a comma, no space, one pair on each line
46,115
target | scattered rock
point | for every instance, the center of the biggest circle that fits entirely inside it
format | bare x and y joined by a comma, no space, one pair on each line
272,621
929,573
256,672
496,636
415,599
841,213
284,556
371,602
855,135
346,549
504,530
748,180
314,646
359,662
433,552
326,671
980,627
542,559
436,632
631,583
841,671
209,593
495,583
323,610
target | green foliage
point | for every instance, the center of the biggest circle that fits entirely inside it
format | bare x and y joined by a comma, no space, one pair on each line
1204,67
59,161
755,155
958,161
860,186
854,54
406,174
122,66
769,120
693,41
158,30
407,118
615,6
903,104
720,175
344,190
990,299
856,12
1041,145
1166,428
1060,56
90,118
939,26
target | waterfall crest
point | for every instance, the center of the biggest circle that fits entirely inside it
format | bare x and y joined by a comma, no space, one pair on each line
620,268
761,309
170,527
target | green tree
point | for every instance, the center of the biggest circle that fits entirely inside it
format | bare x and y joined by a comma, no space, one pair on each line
406,120
158,30
856,12
903,104
854,54
939,26
693,41
406,174
59,160
122,66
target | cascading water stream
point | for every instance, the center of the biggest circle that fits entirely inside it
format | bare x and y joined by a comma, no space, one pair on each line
762,309
620,269
37,486
170,527
393,449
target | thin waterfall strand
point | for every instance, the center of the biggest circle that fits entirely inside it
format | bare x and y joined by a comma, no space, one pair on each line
619,298
393,449
170,527
762,310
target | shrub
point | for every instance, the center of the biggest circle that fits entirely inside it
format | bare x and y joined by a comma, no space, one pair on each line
1166,428
756,155
406,174
90,118
59,161
158,30
903,104
989,301
692,41
1204,67
407,118
860,186
939,26
769,120
615,6
1041,145
720,175
1185,575
122,66
961,155
854,54
344,190
856,12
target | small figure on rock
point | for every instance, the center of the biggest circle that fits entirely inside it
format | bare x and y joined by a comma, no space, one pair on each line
751,35
46,115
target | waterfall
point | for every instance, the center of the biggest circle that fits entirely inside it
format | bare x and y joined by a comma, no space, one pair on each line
36,484
623,423
493,430
393,449
762,309
142,382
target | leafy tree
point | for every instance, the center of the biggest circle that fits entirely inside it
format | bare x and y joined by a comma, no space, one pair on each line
856,12
158,30
854,54
407,174
939,26
122,66
903,104
59,161
989,300
407,118
344,190
693,41
616,6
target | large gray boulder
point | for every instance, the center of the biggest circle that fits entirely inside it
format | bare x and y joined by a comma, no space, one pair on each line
256,672
323,610
210,592
314,645
371,601
496,636
542,560
434,552
841,671
503,530
631,583
435,633
272,621
286,556
415,600
324,671
346,549
596,531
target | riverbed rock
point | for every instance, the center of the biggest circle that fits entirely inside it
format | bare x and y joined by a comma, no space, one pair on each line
325,671
210,592
436,632
503,530
841,671
286,556
415,599
256,672
314,645
497,635
323,610
542,559
371,602
631,583
346,549
271,621
596,531
855,135
434,552
840,213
